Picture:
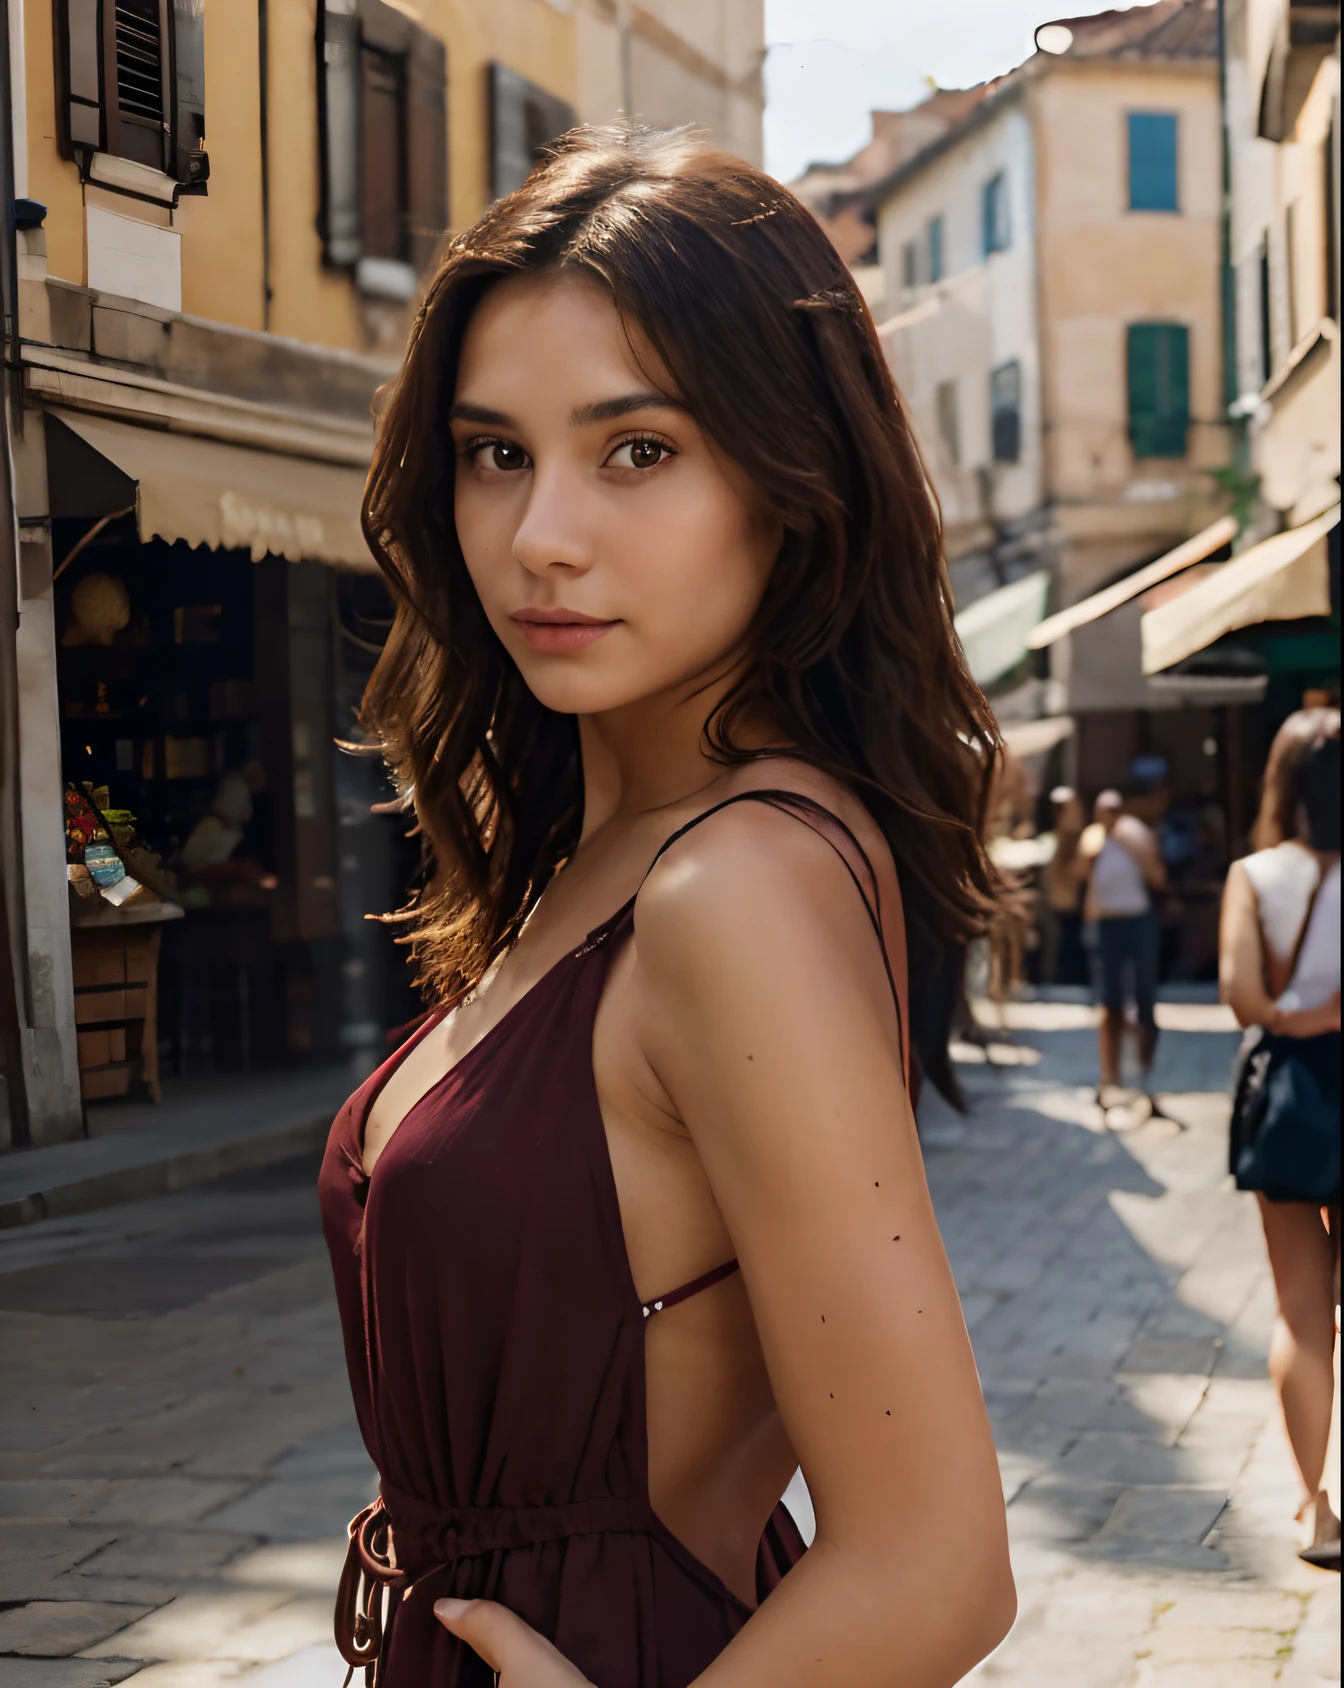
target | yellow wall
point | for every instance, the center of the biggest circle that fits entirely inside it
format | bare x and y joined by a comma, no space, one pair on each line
1103,266
221,232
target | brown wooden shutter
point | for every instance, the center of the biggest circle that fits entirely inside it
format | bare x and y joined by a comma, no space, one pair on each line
426,146
79,92
188,163
137,89
338,126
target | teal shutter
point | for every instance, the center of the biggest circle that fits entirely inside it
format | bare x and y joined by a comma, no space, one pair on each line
995,235
1152,161
1158,378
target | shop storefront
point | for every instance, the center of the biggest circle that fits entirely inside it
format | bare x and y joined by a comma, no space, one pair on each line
199,617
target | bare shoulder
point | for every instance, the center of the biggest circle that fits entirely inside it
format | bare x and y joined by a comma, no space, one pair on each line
756,887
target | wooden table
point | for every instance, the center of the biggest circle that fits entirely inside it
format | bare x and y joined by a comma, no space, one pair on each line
115,955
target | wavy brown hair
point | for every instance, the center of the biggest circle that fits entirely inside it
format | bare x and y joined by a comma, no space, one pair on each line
852,656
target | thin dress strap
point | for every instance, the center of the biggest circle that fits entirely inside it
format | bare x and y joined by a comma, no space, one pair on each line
789,802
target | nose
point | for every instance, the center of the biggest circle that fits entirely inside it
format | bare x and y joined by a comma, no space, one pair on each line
553,535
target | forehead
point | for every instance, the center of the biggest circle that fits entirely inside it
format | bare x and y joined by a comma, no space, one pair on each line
539,333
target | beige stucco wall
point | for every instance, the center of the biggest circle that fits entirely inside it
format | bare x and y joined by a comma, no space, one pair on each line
1102,267
690,61
221,232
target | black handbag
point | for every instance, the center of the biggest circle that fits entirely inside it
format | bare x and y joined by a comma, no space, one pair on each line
1285,1109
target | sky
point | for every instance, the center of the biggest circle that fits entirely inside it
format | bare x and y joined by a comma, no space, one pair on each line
830,61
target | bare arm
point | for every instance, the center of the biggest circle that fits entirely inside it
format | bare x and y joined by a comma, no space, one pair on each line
767,1015
1241,969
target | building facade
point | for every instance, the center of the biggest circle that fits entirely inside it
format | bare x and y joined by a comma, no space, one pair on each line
223,216
1054,259
1282,116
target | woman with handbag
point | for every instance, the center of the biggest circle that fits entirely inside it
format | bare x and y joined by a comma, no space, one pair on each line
1279,970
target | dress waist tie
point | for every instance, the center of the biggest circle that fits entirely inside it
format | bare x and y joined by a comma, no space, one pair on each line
399,1539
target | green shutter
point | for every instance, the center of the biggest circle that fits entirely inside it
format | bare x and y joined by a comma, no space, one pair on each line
1158,378
1152,161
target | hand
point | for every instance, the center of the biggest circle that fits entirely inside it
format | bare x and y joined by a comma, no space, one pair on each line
523,1658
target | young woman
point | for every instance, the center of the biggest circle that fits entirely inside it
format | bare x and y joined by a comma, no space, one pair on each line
1279,967
637,1223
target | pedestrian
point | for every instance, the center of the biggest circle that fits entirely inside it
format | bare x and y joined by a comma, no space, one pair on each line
674,694
1124,869
1065,882
1279,971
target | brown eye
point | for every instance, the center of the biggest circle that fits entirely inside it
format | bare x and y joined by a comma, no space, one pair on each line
506,456
640,454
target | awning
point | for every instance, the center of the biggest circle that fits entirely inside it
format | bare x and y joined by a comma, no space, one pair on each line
994,629
1284,578
1034,738
1193,550
229,496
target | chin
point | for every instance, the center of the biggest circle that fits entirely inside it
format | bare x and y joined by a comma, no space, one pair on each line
575,693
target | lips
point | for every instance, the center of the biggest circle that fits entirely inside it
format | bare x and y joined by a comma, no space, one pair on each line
560,630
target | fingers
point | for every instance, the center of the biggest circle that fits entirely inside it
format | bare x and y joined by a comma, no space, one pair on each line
484,1625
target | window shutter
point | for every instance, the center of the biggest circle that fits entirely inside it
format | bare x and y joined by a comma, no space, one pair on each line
1158,378
1005,409
338,66
1152,161
189,163
935,249
136,80
426,146
523,118
82,106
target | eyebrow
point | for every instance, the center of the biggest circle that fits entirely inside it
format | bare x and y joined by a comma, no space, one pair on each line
605,410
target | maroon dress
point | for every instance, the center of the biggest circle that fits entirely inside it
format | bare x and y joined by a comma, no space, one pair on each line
495,1342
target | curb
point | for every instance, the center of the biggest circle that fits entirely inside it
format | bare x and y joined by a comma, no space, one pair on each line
178,1170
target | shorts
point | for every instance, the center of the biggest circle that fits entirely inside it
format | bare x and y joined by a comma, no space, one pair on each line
1127,963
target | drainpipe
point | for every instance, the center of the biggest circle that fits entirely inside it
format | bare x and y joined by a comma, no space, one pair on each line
1239,424
13,956
264,81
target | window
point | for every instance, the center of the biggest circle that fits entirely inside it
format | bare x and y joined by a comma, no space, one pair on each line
910,264
935,248
1152,161
1158,359
383,120
1266,333
523,118
1005,412
385,215
949,430
130,78
995,229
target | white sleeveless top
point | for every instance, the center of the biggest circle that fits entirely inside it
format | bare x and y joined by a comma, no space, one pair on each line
1283,880
1118,885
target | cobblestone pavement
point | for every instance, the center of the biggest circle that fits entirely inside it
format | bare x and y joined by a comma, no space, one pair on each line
178,1457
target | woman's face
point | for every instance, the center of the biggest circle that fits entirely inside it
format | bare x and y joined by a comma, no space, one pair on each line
617,553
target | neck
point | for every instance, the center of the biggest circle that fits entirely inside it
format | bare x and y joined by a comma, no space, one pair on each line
652,753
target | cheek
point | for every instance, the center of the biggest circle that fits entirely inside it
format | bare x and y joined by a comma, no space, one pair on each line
701,569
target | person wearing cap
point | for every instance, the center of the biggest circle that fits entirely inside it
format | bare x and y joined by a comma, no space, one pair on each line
1124,870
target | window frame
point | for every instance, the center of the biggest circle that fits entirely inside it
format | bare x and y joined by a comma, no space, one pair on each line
156,159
